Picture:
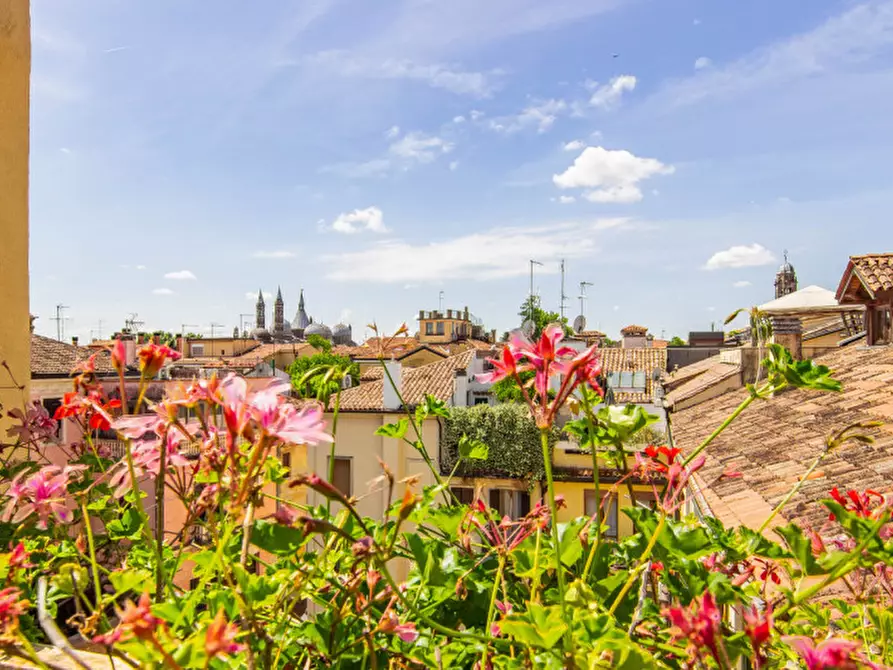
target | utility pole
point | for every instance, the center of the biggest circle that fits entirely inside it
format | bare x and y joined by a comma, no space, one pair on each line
583,285
532,263
60,319
242,324
99,329
561,304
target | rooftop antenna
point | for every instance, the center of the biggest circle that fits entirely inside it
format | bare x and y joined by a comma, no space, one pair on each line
532,263
561,304
583,285
99,328
183,327
60,320
132,323
242,323
440,302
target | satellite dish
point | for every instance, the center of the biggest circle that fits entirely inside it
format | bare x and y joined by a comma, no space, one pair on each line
580,324
528,327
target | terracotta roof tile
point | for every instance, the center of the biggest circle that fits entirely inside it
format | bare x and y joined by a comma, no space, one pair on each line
774,441
51,358
265,351
435,379
633,329
710,372
634,359
873,271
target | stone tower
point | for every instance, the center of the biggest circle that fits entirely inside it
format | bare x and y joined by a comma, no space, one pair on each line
785,278
260,312
278,313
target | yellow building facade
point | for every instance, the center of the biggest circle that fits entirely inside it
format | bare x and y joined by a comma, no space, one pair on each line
15,72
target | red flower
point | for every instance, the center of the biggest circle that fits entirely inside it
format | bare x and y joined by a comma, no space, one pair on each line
11,608
119,356
135,621
699,623
505,366
866,504
770,570
834,653
758,628
389,623
657,567
220,639
153,357
91,408
19,558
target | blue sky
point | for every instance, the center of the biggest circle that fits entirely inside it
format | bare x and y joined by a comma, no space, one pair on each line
185,155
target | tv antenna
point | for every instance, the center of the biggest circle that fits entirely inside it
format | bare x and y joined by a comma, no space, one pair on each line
583,285
242,328
440,302
60,320
532,263
132,323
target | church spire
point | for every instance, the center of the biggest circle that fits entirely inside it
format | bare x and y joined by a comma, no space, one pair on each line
260,312
785,278
278,313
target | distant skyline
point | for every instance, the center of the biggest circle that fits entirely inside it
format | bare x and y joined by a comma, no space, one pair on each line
184,157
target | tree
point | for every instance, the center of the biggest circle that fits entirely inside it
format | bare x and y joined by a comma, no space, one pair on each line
532,309
321,375
319,342
676,342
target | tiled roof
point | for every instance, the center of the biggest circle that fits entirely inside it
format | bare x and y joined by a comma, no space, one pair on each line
634,330
710,372
371,348
590,333
680,376
634,359
774,441
217,362
265,351
627,397
436,379
371,374
874,272
51,358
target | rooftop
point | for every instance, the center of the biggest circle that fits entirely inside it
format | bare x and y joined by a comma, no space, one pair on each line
52,358
634,359
873,271
774,441
435,379
634,330
691,380
808,299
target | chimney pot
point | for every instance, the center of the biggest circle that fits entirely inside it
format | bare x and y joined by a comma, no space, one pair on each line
74,340
389,393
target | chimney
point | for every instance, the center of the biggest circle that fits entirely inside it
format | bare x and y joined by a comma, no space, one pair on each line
129,349
74,340
181,345
421,314
460,389
788,332
390,398
467,316
493,335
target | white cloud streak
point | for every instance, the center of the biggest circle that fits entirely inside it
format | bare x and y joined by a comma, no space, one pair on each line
180,275
613,175
540,115
360,220
609,95
574,145
486,255
162,291
740,256
278,254
741,284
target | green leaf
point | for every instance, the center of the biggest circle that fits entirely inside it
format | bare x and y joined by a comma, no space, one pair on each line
68,576
130,580
473,449
394,430
538,627
276,538
125,528
801,548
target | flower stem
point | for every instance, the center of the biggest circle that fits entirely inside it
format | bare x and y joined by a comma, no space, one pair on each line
159,521
642,560
141,510
553,510
331,469
596,479
92,547
725,424
492,607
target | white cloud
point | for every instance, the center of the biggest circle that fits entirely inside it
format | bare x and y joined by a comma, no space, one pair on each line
436,75
850,37
540,115
392,132
419,147
703,62
359,220
741,284
140,267
741,256
345,315
485,255
566,199
696,22
574,145
252,295
616,308
711,309
609,95
613,174
65,150
475,114
459,119
281,253
162,291
180,274
454,165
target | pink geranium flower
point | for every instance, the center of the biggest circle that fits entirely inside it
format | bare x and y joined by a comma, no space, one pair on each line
834,653
220,638
699,623
153,357
136,620
34,424
44,493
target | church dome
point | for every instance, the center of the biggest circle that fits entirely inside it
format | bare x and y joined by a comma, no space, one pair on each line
340,329
318,329
260,334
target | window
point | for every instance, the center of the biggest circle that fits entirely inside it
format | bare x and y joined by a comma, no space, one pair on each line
286,461
608,511
509,502
440,327
342,480
646,499
429,328
639,380
626,379
51,405
481,400
197,349
463,494
223,352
